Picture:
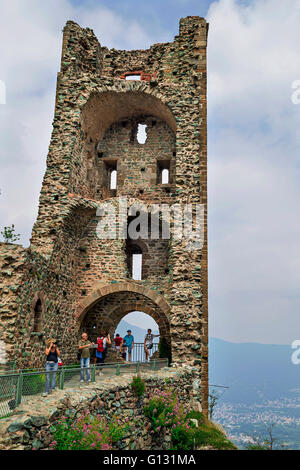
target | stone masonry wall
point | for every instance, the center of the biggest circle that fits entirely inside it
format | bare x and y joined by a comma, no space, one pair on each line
93,99
31,424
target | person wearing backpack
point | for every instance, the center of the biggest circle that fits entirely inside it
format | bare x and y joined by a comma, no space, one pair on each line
101,350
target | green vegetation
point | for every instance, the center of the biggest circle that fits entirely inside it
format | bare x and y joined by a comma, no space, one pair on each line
33,384
9,235
165,411
267,443
138,386
89,433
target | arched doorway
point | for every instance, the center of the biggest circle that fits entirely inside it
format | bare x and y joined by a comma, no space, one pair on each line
104,309
139,323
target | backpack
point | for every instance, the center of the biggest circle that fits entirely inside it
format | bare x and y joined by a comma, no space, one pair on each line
100,347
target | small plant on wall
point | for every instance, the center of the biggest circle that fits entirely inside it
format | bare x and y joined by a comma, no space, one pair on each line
138,386
9,235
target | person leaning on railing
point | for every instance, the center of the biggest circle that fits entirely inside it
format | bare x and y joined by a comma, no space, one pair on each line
84,348
148,342
52,353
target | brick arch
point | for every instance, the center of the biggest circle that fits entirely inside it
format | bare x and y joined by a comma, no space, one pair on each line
116,316
119,101
103,290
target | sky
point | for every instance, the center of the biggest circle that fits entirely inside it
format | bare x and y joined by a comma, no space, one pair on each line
253,138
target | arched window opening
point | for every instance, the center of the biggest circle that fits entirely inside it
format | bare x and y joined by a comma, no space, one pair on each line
165,176
37,322
141,133
111,176
163,171
113,179
139,323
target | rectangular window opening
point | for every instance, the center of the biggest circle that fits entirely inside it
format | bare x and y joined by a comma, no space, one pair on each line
137,266
163,172
133,77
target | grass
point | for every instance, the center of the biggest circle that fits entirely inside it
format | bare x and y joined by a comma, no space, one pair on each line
207,434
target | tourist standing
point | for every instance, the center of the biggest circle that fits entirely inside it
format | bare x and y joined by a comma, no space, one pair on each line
101,350
84,347
129,343
118,340
148,342
52,352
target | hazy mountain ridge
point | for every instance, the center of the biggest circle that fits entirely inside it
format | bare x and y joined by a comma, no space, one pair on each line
138,332
254,372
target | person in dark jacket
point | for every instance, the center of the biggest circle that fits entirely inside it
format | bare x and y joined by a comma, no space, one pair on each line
52,353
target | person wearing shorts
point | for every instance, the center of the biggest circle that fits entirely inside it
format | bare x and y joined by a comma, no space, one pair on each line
129,343
148,343
118,340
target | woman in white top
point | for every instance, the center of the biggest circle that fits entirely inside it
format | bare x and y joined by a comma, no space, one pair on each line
148,342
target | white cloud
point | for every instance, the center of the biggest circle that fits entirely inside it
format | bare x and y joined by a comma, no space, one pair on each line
254,191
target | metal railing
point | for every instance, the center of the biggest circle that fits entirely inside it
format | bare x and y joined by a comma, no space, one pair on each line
7,366
138,352
17,386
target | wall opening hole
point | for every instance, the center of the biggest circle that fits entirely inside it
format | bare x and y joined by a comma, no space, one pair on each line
37,323
113,179
134,261
165,176
163,172
137,262
111,175
133,77
141,133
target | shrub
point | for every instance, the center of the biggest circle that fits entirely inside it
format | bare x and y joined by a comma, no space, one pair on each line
182,437
88,433
9,234
138,386
164,410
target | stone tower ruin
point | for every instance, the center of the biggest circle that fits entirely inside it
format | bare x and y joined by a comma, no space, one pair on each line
69,279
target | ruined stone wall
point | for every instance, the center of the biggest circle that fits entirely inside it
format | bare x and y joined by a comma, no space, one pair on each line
107,313
92,101
136,163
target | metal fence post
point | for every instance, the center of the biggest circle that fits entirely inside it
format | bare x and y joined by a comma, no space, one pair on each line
94,373
118,369
62,378
153,364
19,388
137,367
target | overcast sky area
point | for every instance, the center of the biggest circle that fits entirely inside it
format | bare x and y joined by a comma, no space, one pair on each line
253,138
